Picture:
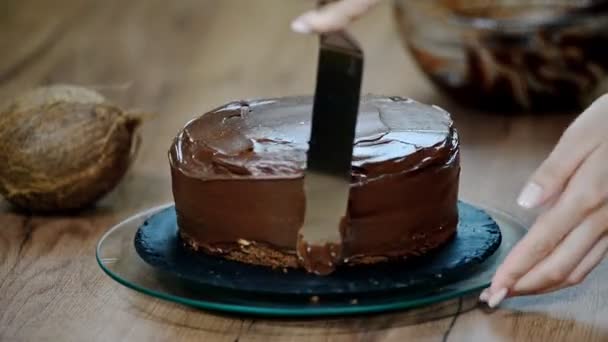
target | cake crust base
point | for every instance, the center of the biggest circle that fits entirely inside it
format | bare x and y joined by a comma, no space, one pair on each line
254,253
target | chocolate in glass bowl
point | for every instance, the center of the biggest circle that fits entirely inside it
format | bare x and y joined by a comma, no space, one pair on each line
510,55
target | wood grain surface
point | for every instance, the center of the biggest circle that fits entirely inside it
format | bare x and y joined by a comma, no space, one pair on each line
178,59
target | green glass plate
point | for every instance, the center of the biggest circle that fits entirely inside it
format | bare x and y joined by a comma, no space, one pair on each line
117,257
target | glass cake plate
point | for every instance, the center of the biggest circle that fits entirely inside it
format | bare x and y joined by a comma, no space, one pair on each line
117,256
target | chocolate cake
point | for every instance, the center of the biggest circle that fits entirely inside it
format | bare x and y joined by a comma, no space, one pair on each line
237,175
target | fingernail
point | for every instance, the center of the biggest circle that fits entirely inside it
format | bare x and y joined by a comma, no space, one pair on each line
496,298
484,295
530,196
300,26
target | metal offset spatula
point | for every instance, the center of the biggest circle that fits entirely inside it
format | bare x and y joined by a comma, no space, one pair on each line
328,172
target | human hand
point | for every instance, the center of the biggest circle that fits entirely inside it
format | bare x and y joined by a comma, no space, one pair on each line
333,16
570,237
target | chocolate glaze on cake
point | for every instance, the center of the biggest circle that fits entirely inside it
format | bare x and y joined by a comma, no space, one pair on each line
237,176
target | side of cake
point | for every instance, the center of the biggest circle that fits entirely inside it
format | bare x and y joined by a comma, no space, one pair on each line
237,175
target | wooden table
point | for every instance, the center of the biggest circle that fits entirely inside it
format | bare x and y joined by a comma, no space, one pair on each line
180,58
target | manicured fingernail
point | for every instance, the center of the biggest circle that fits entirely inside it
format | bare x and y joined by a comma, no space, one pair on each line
484,295
300,26
497,297
530,196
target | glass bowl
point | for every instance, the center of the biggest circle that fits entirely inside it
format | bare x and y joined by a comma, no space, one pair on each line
510,55
117,256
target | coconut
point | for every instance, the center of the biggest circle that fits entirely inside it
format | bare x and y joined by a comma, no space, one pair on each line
63,147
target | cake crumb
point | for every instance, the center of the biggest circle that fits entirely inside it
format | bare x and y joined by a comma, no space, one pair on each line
285,270
354,301
314,299
243,242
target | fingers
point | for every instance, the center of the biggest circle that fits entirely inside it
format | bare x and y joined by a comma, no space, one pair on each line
595,256
592,259
332,17
572,220
586,191
558,269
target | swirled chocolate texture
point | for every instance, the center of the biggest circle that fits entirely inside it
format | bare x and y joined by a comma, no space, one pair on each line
237,175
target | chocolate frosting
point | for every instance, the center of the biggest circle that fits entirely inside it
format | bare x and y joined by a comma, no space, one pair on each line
237,174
